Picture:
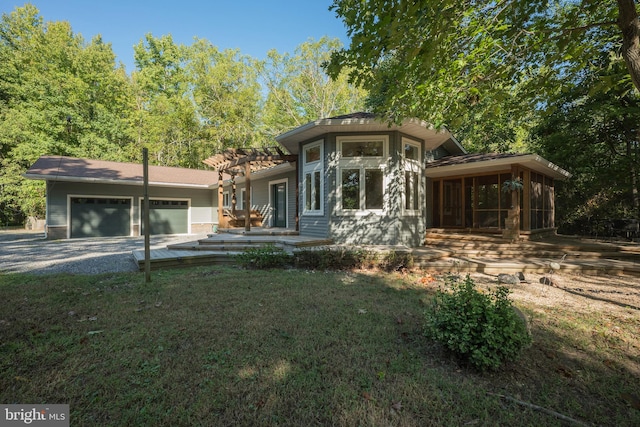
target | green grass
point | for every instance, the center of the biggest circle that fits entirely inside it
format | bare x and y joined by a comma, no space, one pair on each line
224,346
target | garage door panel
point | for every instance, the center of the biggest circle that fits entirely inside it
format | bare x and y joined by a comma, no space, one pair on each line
100,217
168,217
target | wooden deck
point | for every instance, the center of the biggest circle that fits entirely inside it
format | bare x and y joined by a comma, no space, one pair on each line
451,253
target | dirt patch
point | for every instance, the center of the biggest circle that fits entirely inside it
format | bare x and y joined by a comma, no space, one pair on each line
619,295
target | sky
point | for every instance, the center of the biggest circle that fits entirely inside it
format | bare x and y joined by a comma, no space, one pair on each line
253,26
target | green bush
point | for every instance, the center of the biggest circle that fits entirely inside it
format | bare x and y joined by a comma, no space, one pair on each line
339,258
395,261
267,256
482,329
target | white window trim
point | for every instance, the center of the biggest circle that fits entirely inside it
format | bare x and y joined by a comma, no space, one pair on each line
412,165
311,168
362,163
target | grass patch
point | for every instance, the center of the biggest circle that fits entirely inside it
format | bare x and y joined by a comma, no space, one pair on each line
227,346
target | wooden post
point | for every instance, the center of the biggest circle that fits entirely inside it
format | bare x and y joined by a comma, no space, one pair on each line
247,196
220,200
145,219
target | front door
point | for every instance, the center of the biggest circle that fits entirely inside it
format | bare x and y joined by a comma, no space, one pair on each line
279,204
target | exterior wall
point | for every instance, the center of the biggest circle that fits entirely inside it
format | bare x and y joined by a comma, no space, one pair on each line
316,225
202,203
261,196
390,227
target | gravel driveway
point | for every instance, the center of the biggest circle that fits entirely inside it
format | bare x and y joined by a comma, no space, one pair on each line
29,252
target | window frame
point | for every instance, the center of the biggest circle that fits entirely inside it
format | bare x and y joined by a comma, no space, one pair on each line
362,164
413,166
314,170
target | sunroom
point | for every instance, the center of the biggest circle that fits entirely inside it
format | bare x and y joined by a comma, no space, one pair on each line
468,192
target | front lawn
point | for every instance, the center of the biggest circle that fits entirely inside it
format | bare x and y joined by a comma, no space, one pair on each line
226,346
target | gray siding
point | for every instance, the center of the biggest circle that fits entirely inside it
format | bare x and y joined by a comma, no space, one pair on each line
202,201
261,195
317,225
392,227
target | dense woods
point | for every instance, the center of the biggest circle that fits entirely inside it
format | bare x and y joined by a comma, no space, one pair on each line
555,78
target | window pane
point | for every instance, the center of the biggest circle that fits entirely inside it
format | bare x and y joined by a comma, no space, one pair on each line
362,148
411,182
316,191
350,188
411,152
307,191
416,189
407,190
312,154
488,192
373,188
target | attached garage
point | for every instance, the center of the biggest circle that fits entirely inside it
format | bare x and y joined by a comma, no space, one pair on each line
97,198
100,216
168,216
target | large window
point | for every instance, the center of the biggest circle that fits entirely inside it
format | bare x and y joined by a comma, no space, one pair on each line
412,177
313,179
361,175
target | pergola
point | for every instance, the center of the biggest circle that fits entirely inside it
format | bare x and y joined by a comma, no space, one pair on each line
244,162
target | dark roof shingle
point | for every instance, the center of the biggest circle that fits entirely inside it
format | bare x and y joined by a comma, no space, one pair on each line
76,169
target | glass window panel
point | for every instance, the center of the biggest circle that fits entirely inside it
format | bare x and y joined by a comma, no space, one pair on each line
362,148
350,188
316,191
411,152
307,191
312,154
373,188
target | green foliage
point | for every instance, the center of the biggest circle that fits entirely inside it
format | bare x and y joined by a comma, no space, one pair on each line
348,258
299,89
340,258
482,329
267,256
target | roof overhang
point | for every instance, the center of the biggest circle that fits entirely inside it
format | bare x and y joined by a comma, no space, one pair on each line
420,129
115,181
530,161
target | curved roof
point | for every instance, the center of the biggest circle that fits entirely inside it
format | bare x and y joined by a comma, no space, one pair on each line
368,122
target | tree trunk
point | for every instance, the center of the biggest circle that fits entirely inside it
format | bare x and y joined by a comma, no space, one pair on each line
630,28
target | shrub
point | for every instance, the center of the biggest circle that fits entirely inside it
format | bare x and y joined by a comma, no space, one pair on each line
339,258
482,329
267,256
395,261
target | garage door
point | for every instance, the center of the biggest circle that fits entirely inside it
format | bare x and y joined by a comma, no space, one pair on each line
168,216
100,216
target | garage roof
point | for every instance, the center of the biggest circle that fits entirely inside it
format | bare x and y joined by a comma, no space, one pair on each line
61,168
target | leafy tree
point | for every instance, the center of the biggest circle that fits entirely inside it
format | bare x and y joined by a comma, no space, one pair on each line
58,95
597,136
164,119
227,97
299,89
437,58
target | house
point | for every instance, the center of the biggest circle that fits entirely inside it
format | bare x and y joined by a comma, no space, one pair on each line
352,178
